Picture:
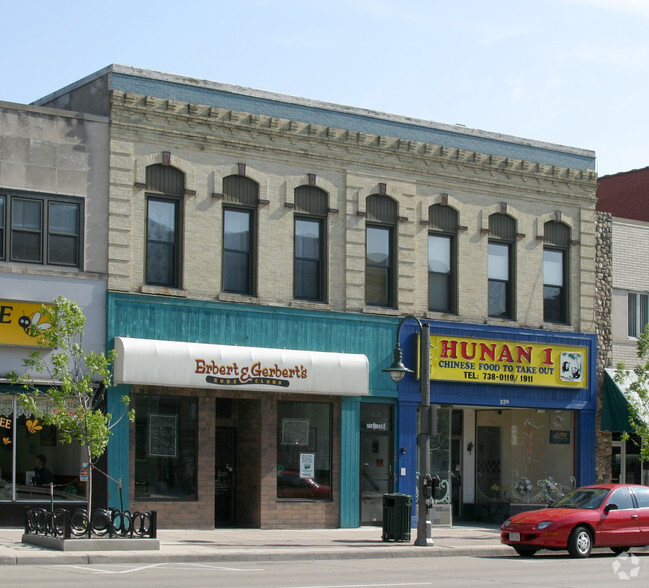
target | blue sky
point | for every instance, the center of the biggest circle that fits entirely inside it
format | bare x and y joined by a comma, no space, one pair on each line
572,72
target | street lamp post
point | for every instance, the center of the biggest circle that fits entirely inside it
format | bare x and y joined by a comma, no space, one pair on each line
397,371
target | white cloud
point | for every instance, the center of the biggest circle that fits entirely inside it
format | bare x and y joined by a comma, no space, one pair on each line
635,7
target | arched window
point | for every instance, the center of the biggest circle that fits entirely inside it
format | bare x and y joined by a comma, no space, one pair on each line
240,200
441,258
310,243
502,237
165,189
380,247
555,272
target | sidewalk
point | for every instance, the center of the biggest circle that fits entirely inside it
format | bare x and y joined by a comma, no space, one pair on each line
264,545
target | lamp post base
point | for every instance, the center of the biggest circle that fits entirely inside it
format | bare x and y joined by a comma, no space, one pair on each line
424,535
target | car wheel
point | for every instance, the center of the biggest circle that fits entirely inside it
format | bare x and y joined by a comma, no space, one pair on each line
580,542
618,550
525,551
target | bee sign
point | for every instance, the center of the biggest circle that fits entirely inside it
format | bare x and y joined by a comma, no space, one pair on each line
16,321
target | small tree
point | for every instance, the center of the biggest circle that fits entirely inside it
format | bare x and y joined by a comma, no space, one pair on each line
76,382
636,381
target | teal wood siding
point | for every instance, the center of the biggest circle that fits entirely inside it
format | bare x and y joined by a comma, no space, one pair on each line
350,450
118,451
151,317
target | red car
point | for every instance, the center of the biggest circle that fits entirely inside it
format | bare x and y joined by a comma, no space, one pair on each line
602,515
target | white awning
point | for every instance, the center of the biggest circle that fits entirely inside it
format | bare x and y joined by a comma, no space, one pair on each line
198,365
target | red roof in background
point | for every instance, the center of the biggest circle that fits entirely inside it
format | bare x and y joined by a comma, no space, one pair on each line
625,195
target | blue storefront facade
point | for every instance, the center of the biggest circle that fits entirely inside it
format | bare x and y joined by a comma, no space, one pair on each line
515,417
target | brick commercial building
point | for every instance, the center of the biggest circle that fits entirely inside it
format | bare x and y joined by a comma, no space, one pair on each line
623,205
261,251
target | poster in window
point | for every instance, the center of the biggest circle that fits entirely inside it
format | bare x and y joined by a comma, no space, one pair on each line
307,461
295,431
162,435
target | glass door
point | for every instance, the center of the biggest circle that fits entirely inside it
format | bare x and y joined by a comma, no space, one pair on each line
376,475
224,470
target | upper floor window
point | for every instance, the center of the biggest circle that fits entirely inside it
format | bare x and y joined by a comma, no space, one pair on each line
441,258
3,207
44,229
380,247
309,272
502,230
240,200
638,313
555,274
166,186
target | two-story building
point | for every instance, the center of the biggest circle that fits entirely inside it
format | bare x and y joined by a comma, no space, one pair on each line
53,242
262,250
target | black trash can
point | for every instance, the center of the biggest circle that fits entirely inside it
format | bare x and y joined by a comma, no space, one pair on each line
396,517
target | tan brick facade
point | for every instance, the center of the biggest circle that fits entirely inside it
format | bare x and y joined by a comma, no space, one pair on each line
208,144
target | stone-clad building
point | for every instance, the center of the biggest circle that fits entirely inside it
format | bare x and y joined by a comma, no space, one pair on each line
622,208
261,252
53,242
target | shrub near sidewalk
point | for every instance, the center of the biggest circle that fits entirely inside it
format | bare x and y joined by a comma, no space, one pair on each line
76,382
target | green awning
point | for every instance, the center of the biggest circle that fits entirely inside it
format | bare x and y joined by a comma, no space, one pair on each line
616,409
616,415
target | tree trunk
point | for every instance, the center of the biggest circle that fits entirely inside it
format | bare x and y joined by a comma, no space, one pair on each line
89,472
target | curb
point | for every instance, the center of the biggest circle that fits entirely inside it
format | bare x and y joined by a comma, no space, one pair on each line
61,558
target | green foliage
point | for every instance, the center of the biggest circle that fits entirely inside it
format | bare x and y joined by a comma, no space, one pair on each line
77,380
637,382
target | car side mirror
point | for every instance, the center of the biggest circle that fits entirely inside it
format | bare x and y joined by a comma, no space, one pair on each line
609,507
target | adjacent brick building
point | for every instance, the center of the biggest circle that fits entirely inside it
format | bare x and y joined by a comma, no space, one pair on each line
623,202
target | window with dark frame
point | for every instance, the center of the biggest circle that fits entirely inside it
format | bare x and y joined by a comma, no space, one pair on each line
638,313
165,193
166,447
304,446
241,197
442,258
25,437
380,248
308,259
309,271
237,250
555,272
41,228
162,242
3,208
502,230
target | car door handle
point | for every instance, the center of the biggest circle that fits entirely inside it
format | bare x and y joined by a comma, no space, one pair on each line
634,516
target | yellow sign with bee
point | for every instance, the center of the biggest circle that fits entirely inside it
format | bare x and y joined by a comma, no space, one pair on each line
21,322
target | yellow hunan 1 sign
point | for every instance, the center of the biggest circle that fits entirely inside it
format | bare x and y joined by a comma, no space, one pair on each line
492,361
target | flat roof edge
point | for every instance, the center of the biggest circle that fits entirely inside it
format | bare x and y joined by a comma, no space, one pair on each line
159,76
50,111
289,99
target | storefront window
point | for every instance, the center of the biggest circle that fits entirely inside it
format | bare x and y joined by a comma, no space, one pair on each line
165,447
33,465
304,450
524,456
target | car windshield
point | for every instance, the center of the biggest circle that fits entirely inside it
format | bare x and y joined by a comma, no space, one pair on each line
582,498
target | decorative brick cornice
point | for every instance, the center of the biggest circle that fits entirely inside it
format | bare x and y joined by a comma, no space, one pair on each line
446,157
